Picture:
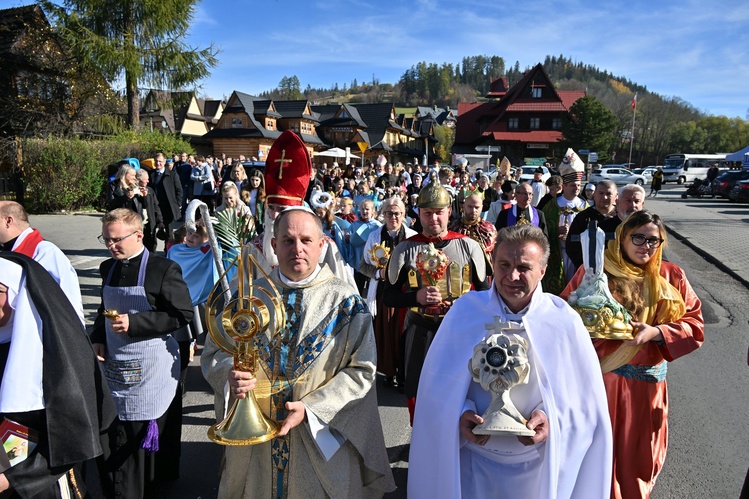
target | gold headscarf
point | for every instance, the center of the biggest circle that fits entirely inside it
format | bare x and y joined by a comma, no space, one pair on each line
655,290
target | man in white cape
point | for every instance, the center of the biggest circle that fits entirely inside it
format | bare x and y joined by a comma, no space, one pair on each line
570,455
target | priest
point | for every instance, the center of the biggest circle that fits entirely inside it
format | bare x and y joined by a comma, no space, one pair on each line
569,454
316,377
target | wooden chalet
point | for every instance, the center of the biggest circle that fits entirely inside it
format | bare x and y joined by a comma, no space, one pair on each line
388,136
40,80
442,117
181,113
249,125
525,121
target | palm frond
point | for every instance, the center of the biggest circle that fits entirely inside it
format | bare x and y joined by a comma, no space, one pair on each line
232,229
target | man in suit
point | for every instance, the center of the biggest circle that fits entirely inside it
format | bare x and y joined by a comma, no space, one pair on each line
523,212
150,212
145,299
168,190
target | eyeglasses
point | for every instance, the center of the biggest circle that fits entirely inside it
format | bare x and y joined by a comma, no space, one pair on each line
640,240
394,214
113,240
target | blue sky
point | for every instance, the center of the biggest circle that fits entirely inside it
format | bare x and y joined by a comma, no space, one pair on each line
695,50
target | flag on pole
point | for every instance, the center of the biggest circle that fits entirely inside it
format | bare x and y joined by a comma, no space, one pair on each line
634,102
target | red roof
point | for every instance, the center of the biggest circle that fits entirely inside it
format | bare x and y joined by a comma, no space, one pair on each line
531,136
570,96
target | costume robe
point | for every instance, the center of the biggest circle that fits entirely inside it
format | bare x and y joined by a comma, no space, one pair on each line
480,231
577,453
421,323
327,353
640,407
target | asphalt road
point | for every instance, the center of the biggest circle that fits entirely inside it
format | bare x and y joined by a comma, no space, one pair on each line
708,453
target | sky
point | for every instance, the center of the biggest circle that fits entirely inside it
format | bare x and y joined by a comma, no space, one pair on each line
695,50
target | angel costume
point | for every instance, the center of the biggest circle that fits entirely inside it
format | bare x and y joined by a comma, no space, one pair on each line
325,358
573,462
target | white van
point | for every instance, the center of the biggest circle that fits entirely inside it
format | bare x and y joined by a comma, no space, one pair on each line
682,168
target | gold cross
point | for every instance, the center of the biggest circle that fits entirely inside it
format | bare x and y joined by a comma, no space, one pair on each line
497,326
282,161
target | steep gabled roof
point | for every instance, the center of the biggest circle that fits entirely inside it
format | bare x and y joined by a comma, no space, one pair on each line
241,103
295,109
13,25
516,101
499,87
378,117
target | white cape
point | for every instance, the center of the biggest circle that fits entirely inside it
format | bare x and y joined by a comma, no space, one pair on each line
578,454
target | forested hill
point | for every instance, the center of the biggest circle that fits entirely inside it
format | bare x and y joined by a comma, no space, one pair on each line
665,124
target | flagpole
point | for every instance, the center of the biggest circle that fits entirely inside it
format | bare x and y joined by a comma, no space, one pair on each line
632,136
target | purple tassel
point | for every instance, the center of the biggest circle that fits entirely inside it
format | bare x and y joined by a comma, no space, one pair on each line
151,440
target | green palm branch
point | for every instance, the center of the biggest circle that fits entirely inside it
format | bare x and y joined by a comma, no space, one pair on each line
233,230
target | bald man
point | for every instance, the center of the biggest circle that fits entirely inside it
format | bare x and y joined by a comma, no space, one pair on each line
17,235
472,225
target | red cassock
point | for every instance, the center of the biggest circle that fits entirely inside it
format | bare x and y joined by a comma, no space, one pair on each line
639,409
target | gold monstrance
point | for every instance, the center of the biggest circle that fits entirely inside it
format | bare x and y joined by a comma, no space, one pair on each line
233,323
380,255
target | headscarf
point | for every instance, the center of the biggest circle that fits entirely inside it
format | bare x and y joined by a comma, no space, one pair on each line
663,302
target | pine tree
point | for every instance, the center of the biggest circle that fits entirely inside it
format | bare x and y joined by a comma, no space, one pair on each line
140,40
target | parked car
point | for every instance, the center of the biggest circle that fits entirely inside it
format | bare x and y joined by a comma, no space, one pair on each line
723,183
740,192
620,176
646,172
527,173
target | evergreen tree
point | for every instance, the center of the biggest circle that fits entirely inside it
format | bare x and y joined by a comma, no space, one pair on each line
589,125
140,40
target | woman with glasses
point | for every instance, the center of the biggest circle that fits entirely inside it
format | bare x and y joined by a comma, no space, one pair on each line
668,324
387,325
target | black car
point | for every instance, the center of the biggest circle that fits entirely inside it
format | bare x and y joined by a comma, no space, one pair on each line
723,184
740,192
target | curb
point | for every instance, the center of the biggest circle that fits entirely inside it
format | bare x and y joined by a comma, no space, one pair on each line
708,256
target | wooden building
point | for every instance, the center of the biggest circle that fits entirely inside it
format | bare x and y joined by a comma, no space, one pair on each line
523,122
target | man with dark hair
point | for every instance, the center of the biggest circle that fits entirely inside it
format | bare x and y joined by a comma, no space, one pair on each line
168,187
553,188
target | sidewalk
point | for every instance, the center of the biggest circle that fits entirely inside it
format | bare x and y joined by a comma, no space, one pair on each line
717,229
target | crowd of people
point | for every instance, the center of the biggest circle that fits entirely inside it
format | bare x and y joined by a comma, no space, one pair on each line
399,271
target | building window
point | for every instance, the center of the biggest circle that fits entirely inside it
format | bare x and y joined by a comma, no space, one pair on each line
535,123
556,123
536,92
236,122
512,123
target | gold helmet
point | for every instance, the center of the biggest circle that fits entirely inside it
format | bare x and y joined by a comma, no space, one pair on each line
434,195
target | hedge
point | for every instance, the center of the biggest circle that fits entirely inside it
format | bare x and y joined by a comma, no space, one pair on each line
70,174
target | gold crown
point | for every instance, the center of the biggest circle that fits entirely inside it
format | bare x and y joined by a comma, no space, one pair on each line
434,195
